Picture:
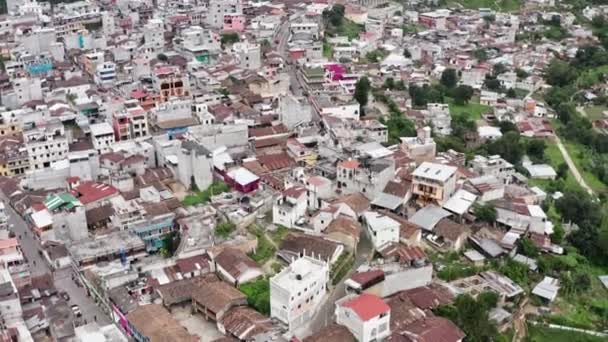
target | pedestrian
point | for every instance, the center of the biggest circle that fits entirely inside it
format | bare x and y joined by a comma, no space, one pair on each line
95,318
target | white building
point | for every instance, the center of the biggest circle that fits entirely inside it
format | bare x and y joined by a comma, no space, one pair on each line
433,182
366,316
289,209
194,165
438,115
297,290
154,34
307,27
248,54
343,111
495,166
105,74
219,8
294,111
102,137
381,228
421,147
26,90
46,144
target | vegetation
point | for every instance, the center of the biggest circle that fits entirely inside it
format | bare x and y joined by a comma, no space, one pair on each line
201,197
336,24
376,55
170,243
473,109
230,38
485,213
472,316
341,267
265,249
279,234
223,230
361,95
451,266
397,124
498,5
258,295
539,333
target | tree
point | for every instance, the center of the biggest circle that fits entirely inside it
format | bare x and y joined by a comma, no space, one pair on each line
507,126
335,15
560,73
508,146
471,316
224,229
492,83
449,78
485,213
489,18
511,93
528,248
562,171
521,73
230,38
481,54
406,53
499,68
463,127
558,234
515,270
162,57
389,83
362,88
462,94
535,149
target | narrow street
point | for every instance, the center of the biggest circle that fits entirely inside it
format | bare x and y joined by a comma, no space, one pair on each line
325,312
572,166
62,278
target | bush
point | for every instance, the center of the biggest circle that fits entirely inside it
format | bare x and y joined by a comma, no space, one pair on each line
224,230
258,295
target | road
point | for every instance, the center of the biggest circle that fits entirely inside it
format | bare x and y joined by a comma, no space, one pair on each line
572,166
62,278
325,313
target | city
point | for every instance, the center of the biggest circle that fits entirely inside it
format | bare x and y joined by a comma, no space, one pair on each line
303,171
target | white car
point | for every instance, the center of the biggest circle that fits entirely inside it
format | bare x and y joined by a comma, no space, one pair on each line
76,311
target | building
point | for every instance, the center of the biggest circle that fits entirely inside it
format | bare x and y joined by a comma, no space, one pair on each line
235,267
368,176
381,228
366,316
153,322
46,144
249,55
420,148
438,115
170,81
289,209
297,290
194,165
495,166
102,137
434,183
218,9
105,74
215,299
130,123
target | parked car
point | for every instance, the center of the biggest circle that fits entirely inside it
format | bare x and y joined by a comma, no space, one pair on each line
76,311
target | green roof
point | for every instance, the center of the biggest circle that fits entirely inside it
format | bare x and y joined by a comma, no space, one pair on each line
66,200
314,72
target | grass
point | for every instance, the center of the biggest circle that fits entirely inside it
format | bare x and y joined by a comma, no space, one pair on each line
499,5
279,234
554,158
537,333
350,29
579,155
223,230
473,108
596,112
200,197
452,266
265,250
258,294
328,50
591,77
341,267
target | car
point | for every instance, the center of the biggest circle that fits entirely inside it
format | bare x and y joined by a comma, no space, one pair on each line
64,295
76,311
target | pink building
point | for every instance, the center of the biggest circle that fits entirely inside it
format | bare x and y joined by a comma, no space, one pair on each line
334,72
234,22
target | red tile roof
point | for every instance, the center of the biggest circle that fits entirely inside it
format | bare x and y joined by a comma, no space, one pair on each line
89,192
363,278
294,192
349,164
367,306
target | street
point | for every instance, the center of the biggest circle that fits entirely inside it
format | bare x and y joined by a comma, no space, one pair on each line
62,278
325,312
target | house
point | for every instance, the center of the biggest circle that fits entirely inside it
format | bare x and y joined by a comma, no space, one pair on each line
381,228
453,234
297,291
289,209
93,194
102,136
344,230
493,165
395,195
434,183
194,164
367,176
153,322
215,299
246,324
242,180
331,333
235,267
547,289
420,148
297,245
366,316
486,188
427,330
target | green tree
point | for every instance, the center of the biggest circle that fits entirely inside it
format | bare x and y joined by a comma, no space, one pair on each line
499,68
508,146
362,88
406,53
560,73
449,78
528,248
472,317
389,83
517,271
521,73
511,93
535,149
481,54
230,38
462,94
485,213
224,229
162,57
